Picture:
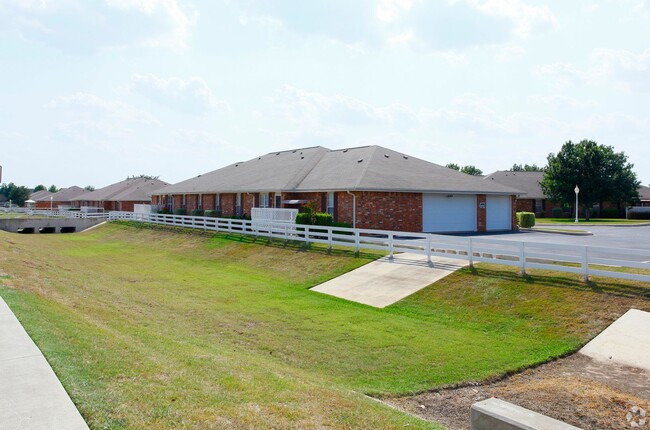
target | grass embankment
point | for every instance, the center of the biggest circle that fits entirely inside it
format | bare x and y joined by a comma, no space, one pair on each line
592,221
155,329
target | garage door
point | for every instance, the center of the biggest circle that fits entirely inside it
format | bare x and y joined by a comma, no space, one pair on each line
499,213
446,213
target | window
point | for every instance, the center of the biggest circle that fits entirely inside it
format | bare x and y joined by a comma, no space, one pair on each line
217,202
264,200
278,200
539,206
330,203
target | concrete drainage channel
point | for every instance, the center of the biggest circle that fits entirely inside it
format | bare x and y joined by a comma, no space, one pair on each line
47,225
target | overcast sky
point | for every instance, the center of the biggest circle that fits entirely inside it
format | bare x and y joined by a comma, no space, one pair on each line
93,91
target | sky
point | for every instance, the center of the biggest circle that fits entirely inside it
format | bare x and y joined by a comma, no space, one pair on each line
93,91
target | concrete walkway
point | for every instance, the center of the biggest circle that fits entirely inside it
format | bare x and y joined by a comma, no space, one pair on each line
382,282
31,396
626,341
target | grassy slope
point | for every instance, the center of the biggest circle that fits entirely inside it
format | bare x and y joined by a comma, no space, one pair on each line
161,330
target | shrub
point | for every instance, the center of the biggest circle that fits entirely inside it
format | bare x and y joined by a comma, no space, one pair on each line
638,215
342,224
213,214
525,219
303,218
557,212
164,212
197,212
609,213
180,211
323,219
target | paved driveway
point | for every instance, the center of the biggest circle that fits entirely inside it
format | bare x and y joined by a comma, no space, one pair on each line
603,236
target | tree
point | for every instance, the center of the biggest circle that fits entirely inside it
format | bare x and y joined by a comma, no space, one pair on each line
40,188
89,188
17,194
142,176
53,189
470,170
599,172
526,168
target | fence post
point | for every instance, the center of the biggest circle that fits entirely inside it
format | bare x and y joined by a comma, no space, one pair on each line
470,253
522,258
329,239
390,245
585,264
429,262
356,242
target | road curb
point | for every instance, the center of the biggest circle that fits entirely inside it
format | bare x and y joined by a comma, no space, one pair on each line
551,231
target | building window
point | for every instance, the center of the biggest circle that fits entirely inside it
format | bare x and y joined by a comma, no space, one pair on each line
330,203
539,206
217,202
278,200
264,200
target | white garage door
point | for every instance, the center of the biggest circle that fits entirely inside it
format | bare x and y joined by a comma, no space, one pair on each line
443,213
499,213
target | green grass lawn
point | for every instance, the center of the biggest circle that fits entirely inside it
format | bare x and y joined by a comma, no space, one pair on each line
154,328
591,221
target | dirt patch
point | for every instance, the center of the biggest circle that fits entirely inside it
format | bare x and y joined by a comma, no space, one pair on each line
578,390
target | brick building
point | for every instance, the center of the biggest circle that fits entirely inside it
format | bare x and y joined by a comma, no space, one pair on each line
532,198
121,196
367,187
62,199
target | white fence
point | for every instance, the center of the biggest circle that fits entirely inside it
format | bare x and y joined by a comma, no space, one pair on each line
67,214
585,260
274,215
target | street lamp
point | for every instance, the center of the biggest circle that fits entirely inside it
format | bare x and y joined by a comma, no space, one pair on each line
577,190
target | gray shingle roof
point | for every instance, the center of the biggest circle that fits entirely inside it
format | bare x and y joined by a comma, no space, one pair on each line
644,193
38,195
526,182
137,189
368,168
64,195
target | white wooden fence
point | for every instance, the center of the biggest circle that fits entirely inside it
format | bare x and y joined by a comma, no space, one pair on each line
67,214
585,260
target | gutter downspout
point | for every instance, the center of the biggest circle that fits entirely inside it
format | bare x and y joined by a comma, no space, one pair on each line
354,208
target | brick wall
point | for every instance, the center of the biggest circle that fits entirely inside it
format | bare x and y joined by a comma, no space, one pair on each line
513,223
481,212
191,202
247,202
381,210
209,201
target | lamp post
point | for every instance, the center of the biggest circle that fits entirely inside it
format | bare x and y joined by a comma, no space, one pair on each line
577,190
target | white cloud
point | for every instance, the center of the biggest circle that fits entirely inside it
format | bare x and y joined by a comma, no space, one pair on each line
510,53
559,100
192,95
390,10
310,107
526,19
92,121
83,27
91,105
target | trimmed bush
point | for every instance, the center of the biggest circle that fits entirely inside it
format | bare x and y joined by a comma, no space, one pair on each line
342,224
213,214
638,215
557,212
303,218
197,212
180,211
526,219
609,213
164,212
323,219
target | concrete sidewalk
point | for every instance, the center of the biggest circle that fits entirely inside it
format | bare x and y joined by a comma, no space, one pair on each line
626,341
31,396
384,282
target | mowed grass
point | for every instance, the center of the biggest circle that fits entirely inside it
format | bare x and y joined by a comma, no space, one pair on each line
153,328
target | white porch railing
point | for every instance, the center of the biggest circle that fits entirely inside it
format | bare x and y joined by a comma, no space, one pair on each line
67,214
584,260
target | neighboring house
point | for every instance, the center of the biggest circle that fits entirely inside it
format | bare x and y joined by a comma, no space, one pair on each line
121,196
532,198
62,199
367,187
644,195
535,201
40,195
